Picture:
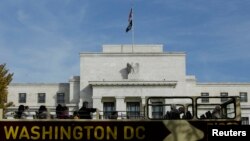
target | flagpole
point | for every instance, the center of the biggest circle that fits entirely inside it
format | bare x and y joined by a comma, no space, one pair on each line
133,24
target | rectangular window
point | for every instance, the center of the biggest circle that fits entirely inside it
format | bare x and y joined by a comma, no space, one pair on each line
224,94
243,97
244,120
157,110
133,110
22,97
205,100
41,98
108,108
60,98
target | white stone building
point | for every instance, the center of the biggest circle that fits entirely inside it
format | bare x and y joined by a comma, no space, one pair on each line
121,77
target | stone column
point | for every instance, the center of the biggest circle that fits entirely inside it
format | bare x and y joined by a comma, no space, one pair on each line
143,105
97,103
74,89
120,106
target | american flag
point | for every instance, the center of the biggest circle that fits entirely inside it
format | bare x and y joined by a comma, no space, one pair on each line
129,27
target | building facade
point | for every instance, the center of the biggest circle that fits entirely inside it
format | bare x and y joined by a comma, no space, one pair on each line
121,77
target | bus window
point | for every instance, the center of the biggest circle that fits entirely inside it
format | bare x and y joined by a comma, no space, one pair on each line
169,108
211,111
214,109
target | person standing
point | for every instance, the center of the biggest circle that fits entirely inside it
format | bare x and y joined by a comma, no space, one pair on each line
85,112
216,112
26,112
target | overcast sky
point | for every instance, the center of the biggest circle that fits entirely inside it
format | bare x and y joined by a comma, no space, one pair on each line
40,40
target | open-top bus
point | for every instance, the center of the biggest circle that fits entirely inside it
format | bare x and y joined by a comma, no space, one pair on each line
156,122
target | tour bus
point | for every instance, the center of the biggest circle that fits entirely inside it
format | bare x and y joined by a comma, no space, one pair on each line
162,118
